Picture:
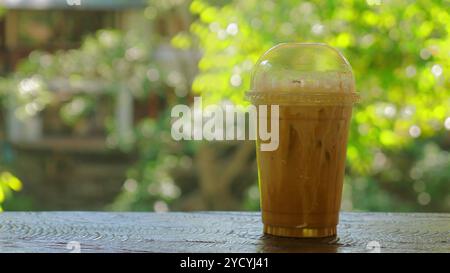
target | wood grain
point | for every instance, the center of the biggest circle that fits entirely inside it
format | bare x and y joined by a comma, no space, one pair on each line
213,232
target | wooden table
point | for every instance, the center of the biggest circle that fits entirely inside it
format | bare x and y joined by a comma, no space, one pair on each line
214,232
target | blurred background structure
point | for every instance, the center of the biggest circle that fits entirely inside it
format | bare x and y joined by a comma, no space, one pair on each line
86,92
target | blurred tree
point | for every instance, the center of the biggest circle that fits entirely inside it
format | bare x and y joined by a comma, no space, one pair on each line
105,63
398,150
147,66
399,53
8,182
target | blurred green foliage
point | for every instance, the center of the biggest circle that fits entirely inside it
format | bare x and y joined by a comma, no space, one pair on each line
399,54
398,152
398,51
8,184
106,62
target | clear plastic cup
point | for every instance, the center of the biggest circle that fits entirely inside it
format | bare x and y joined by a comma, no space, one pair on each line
301,182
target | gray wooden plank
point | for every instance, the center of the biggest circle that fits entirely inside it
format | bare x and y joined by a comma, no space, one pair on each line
214,232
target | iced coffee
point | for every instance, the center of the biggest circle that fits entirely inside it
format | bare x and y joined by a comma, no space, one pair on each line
301,181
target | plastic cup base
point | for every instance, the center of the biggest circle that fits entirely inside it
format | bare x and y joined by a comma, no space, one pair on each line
300,232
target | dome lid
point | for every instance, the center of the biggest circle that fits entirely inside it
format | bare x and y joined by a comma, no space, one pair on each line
302,73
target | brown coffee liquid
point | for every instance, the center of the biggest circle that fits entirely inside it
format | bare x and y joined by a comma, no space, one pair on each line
301,182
